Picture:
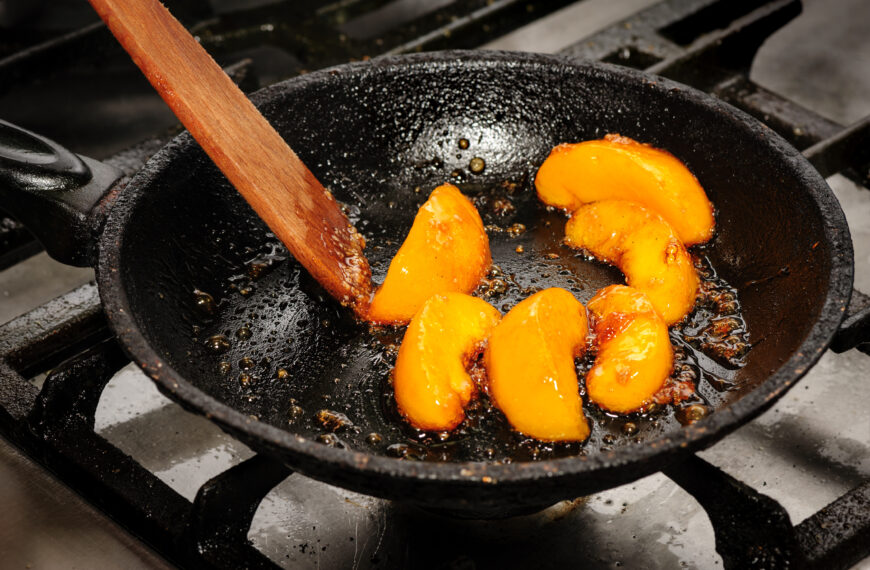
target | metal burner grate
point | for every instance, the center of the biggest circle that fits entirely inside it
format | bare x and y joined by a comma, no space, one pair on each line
709,44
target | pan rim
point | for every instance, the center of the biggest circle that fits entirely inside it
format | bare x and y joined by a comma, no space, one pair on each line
648,457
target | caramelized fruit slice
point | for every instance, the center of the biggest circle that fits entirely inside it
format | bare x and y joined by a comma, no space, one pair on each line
644,247
634,351
430,378
621,168
446,251
530,366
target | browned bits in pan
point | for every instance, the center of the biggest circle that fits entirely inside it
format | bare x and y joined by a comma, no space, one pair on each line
295,413
516,229
333,421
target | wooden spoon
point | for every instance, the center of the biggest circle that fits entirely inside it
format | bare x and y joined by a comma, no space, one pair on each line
250,153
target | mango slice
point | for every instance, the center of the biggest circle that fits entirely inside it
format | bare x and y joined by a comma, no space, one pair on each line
621,168
530,366
634,352
430,378
446,251
644,247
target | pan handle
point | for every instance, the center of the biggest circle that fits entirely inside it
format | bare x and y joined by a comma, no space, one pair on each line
855,330
53,192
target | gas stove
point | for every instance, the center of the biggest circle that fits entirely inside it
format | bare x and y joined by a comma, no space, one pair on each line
153,485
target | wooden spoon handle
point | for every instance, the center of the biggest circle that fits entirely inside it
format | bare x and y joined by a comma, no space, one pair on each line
250,153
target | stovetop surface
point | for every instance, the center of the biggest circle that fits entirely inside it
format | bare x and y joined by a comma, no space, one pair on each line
810,448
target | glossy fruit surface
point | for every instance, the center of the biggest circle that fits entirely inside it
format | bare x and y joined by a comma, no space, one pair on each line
621,168
431,377
530,366
634,351
446,251
644,246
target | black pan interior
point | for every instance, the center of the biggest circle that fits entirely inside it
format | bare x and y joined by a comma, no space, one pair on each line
381,137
